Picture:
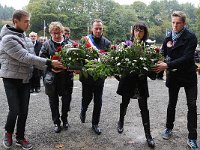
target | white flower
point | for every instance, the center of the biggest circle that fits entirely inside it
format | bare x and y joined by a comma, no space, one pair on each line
116,58
70,58
141,58
126,59
133,64
118,64
145,68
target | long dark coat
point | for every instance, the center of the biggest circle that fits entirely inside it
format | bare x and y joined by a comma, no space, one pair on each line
37,72
133,85
181,65
63,81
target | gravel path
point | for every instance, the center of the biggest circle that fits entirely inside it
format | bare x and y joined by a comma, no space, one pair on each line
39,129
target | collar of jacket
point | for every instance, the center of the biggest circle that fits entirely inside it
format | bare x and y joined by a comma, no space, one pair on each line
14,29
95,38
181,39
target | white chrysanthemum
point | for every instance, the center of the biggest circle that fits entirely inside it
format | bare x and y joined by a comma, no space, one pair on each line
126,59
145,68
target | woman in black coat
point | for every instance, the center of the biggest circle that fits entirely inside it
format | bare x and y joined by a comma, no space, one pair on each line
135,86
58,83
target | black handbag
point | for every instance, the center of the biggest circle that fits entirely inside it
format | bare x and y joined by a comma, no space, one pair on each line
49,82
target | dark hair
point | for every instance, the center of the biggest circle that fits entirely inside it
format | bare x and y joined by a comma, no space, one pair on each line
18,14
141,26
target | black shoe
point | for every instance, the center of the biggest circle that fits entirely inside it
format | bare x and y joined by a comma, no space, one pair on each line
37,90
193,144
96,129
57,128
167,133
120,127
82,117
150,141
65,125
7,141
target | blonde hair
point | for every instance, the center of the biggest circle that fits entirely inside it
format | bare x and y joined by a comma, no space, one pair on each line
33,33
180,14
56,26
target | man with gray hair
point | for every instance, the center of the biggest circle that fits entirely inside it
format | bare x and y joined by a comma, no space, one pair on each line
35,79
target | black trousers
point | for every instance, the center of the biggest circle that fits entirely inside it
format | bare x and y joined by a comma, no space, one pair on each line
191,95
35,80
62,87
142,102
18,95
89,91
54,105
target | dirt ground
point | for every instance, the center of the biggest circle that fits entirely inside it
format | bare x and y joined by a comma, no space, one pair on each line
79,136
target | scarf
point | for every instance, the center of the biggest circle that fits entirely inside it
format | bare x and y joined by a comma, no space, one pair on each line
176,35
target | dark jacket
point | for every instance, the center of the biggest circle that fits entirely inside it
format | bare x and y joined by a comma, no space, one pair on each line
102,44
62,80
133,85
180,60
37,47
37,72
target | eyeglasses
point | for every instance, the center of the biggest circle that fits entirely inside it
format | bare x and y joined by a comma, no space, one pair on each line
138,30
56,33
67,33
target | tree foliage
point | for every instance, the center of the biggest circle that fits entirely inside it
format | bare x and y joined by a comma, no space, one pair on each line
78,14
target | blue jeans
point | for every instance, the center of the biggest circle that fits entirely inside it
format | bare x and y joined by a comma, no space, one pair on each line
18,95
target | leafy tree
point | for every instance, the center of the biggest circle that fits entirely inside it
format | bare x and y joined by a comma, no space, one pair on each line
118,19
6,12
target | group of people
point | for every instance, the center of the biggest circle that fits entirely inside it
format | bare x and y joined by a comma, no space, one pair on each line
18,61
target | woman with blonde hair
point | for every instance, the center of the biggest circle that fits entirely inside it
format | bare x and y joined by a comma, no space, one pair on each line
60,82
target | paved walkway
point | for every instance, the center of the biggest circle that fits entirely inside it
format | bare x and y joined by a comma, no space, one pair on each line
79,136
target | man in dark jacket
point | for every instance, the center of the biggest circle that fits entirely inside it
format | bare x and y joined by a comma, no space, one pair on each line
35,79
179,48
91,87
